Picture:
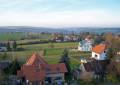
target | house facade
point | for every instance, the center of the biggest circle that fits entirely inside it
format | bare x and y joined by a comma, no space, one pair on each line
99,52
36,71
85,45
70,38
87,71
57,37
94,69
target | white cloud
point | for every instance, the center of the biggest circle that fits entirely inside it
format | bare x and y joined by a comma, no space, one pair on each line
60,19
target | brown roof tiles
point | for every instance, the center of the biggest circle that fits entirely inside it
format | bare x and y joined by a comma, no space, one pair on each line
36,68
99,48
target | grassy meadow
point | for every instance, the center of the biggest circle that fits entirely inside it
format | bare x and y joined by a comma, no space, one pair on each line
51,54
22,37
51,51
11,36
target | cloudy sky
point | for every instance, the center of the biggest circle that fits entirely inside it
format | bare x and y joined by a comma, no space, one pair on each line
60,13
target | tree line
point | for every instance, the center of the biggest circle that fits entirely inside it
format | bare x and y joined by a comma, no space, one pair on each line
11,46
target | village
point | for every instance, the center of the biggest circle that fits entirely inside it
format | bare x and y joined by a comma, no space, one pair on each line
59,42
72,67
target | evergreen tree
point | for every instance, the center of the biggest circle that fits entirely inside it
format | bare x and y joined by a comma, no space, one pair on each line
65,59
8,46
14,67
14,45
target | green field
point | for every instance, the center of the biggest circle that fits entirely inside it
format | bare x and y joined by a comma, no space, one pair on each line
48,45
18,36
11,36
51,54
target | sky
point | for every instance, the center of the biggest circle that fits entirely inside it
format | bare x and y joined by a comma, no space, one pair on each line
60,13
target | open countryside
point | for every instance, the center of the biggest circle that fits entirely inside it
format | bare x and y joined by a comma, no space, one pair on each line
78,50
59,42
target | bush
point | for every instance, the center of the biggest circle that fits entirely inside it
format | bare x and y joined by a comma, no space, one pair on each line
112,78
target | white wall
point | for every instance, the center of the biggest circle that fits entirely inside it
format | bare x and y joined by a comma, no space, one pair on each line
79,48
85,47
101,56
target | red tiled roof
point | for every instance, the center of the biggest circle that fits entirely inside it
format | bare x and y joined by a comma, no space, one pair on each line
56,68
99,48
36,68
34,59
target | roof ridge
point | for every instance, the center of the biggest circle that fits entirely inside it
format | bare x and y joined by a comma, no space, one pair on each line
33,59
99,48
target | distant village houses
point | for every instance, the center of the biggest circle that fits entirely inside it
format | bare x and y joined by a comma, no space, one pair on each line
57,37
64,38
70,38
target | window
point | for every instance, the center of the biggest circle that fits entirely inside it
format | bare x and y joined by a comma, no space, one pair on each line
96,55
37,70
47,69
58,78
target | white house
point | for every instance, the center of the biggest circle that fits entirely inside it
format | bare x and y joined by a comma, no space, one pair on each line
85,45
99,52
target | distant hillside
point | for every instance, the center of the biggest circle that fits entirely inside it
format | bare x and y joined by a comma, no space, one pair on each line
52,30
29,29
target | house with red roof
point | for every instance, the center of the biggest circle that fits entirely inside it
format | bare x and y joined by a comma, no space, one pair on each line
95,67
36,71
99,52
